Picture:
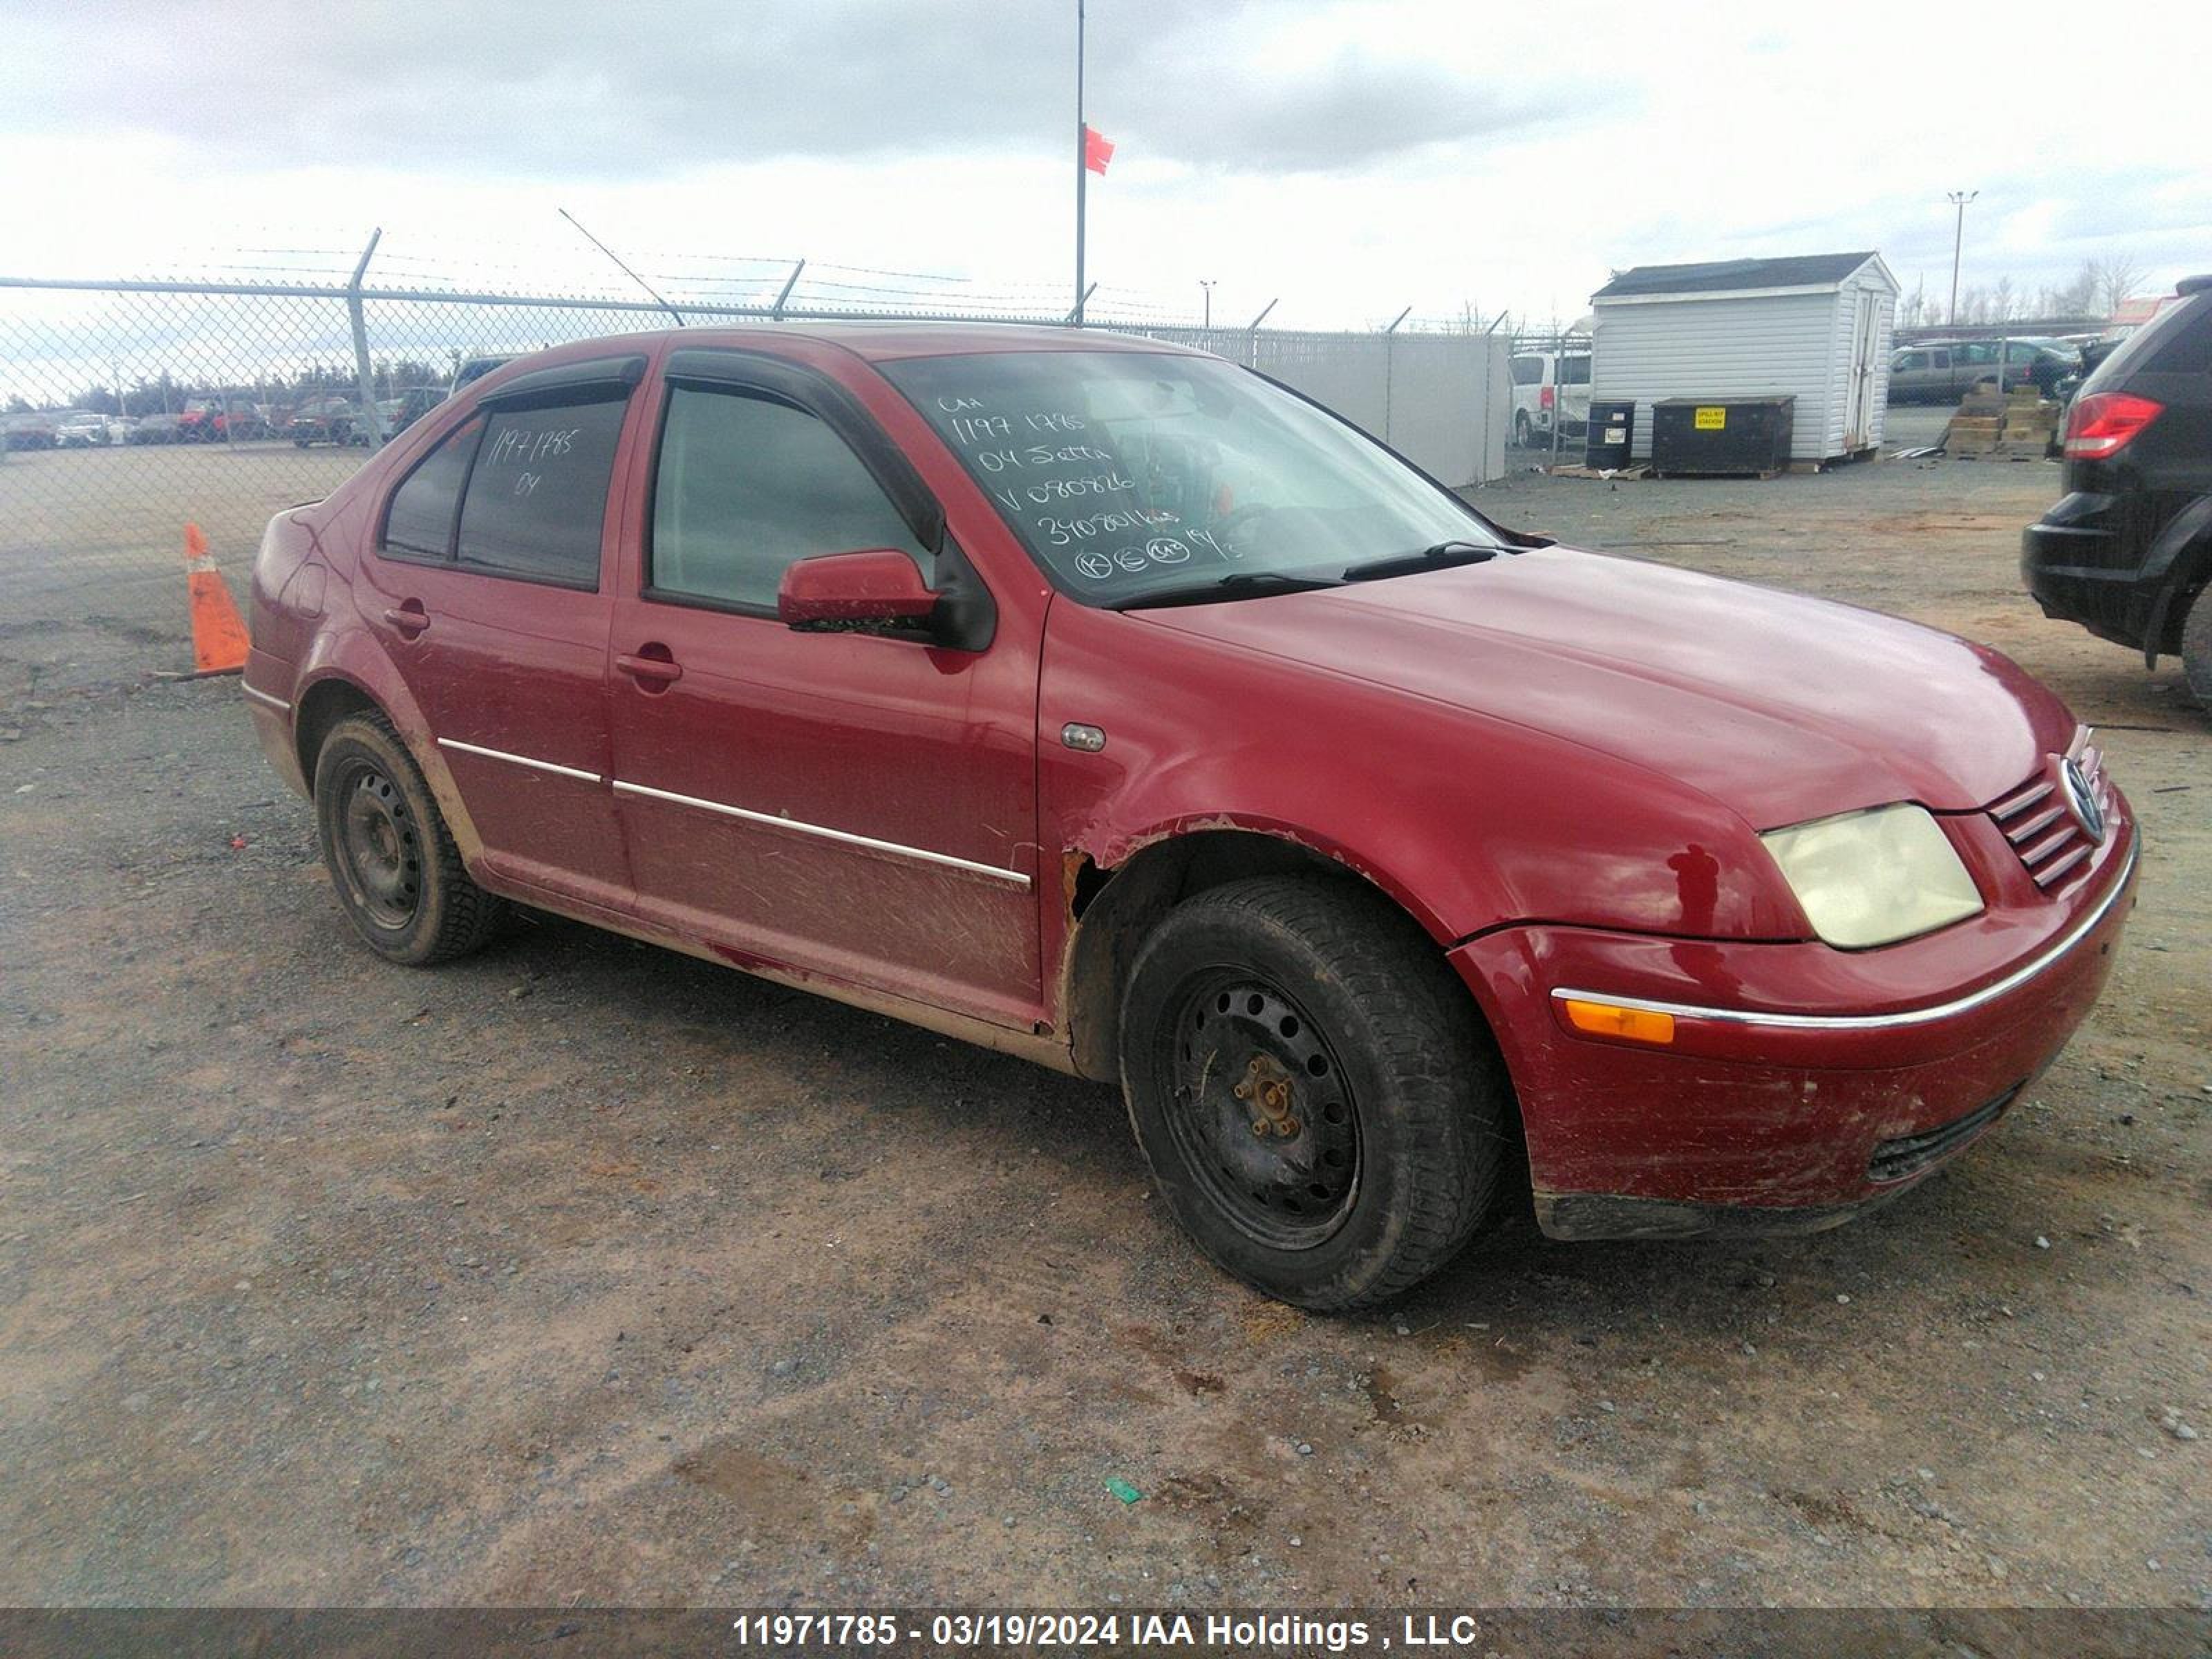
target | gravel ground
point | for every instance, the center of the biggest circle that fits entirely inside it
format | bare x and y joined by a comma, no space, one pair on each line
583,1271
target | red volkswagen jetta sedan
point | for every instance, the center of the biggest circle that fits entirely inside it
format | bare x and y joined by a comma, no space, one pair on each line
1109,704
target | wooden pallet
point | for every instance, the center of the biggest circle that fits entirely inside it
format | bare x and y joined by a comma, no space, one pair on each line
2032,452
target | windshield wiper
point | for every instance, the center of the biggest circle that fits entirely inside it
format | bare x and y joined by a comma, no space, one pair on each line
1237,585
1435,557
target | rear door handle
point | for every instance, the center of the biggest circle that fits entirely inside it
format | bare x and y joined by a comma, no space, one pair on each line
409,618
656,671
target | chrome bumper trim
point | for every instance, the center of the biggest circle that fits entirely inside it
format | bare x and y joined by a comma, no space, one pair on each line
1928,1016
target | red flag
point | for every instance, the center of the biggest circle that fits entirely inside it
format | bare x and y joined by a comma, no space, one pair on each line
1098,150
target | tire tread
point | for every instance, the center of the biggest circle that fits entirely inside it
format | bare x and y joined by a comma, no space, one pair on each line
468,915
1433,1044
2197,646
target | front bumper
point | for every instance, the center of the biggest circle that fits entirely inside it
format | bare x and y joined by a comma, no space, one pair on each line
1803,1084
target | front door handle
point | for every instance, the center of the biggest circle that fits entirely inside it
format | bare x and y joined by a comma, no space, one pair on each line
651,666
409,618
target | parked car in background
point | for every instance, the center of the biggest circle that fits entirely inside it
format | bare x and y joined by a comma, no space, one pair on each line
409,406
473,369
2127,552
35,430
222,418
1944,371
153,429
81,428
1550,387
1102,701
326,421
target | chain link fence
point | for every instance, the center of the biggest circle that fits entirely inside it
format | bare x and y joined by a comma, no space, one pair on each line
133,408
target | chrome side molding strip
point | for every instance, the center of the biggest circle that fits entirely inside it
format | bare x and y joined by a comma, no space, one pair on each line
264,699
520,760
2011,981
845,837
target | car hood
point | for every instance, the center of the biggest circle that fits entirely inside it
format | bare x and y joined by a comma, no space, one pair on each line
1782,707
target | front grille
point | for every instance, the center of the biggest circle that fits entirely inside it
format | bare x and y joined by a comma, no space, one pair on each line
2038,820
1909,1155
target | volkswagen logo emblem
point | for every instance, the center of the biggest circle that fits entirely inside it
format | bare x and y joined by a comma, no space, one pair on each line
2082,798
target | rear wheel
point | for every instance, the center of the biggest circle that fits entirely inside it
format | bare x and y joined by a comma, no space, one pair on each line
1521,429
2196,646
398,873
1314,1092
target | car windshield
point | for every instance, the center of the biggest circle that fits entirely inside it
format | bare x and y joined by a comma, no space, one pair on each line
1131,475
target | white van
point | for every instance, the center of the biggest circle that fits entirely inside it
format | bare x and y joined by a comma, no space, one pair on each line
1548,385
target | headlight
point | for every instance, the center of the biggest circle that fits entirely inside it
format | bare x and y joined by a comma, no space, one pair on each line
1874,877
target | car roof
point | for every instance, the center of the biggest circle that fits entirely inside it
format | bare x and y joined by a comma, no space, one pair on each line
879,341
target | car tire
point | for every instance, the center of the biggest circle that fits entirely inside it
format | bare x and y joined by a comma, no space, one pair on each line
2197,646
1311,1006
392,861
1522,430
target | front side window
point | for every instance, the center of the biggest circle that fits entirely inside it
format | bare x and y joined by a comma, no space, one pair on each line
537,498
745,485
1126,474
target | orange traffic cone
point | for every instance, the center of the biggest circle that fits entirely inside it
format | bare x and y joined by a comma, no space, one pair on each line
218,635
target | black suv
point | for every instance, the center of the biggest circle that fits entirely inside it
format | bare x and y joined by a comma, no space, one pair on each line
2128,552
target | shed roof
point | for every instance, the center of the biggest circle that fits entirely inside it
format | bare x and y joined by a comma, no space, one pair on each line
1729,276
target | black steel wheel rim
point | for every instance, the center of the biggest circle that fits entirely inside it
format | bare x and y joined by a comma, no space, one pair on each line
380,851
1260,1108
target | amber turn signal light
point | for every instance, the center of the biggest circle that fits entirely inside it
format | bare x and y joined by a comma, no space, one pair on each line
1604,1019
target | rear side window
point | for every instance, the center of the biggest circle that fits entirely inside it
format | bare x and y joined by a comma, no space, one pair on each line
1574,370
2176,341
537,498
2188,349
747,484
419,524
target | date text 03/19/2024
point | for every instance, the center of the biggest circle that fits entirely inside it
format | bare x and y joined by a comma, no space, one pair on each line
1222,1632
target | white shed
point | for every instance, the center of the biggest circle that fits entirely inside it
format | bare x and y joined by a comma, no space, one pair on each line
1816,327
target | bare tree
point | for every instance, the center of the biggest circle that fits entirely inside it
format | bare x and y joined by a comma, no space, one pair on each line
2117,278
2003,307
2079,297
1915,305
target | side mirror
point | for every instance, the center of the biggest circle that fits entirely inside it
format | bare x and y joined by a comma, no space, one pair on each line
878,587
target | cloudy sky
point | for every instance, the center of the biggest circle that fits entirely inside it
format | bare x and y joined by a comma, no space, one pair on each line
1353,159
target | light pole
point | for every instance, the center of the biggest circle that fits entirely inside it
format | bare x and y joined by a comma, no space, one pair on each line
1208,286
1082,166
1959,200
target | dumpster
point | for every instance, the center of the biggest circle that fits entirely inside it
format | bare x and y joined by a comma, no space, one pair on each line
1721,435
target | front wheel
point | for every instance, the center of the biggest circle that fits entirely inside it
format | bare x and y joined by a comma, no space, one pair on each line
398,873
1316,1096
